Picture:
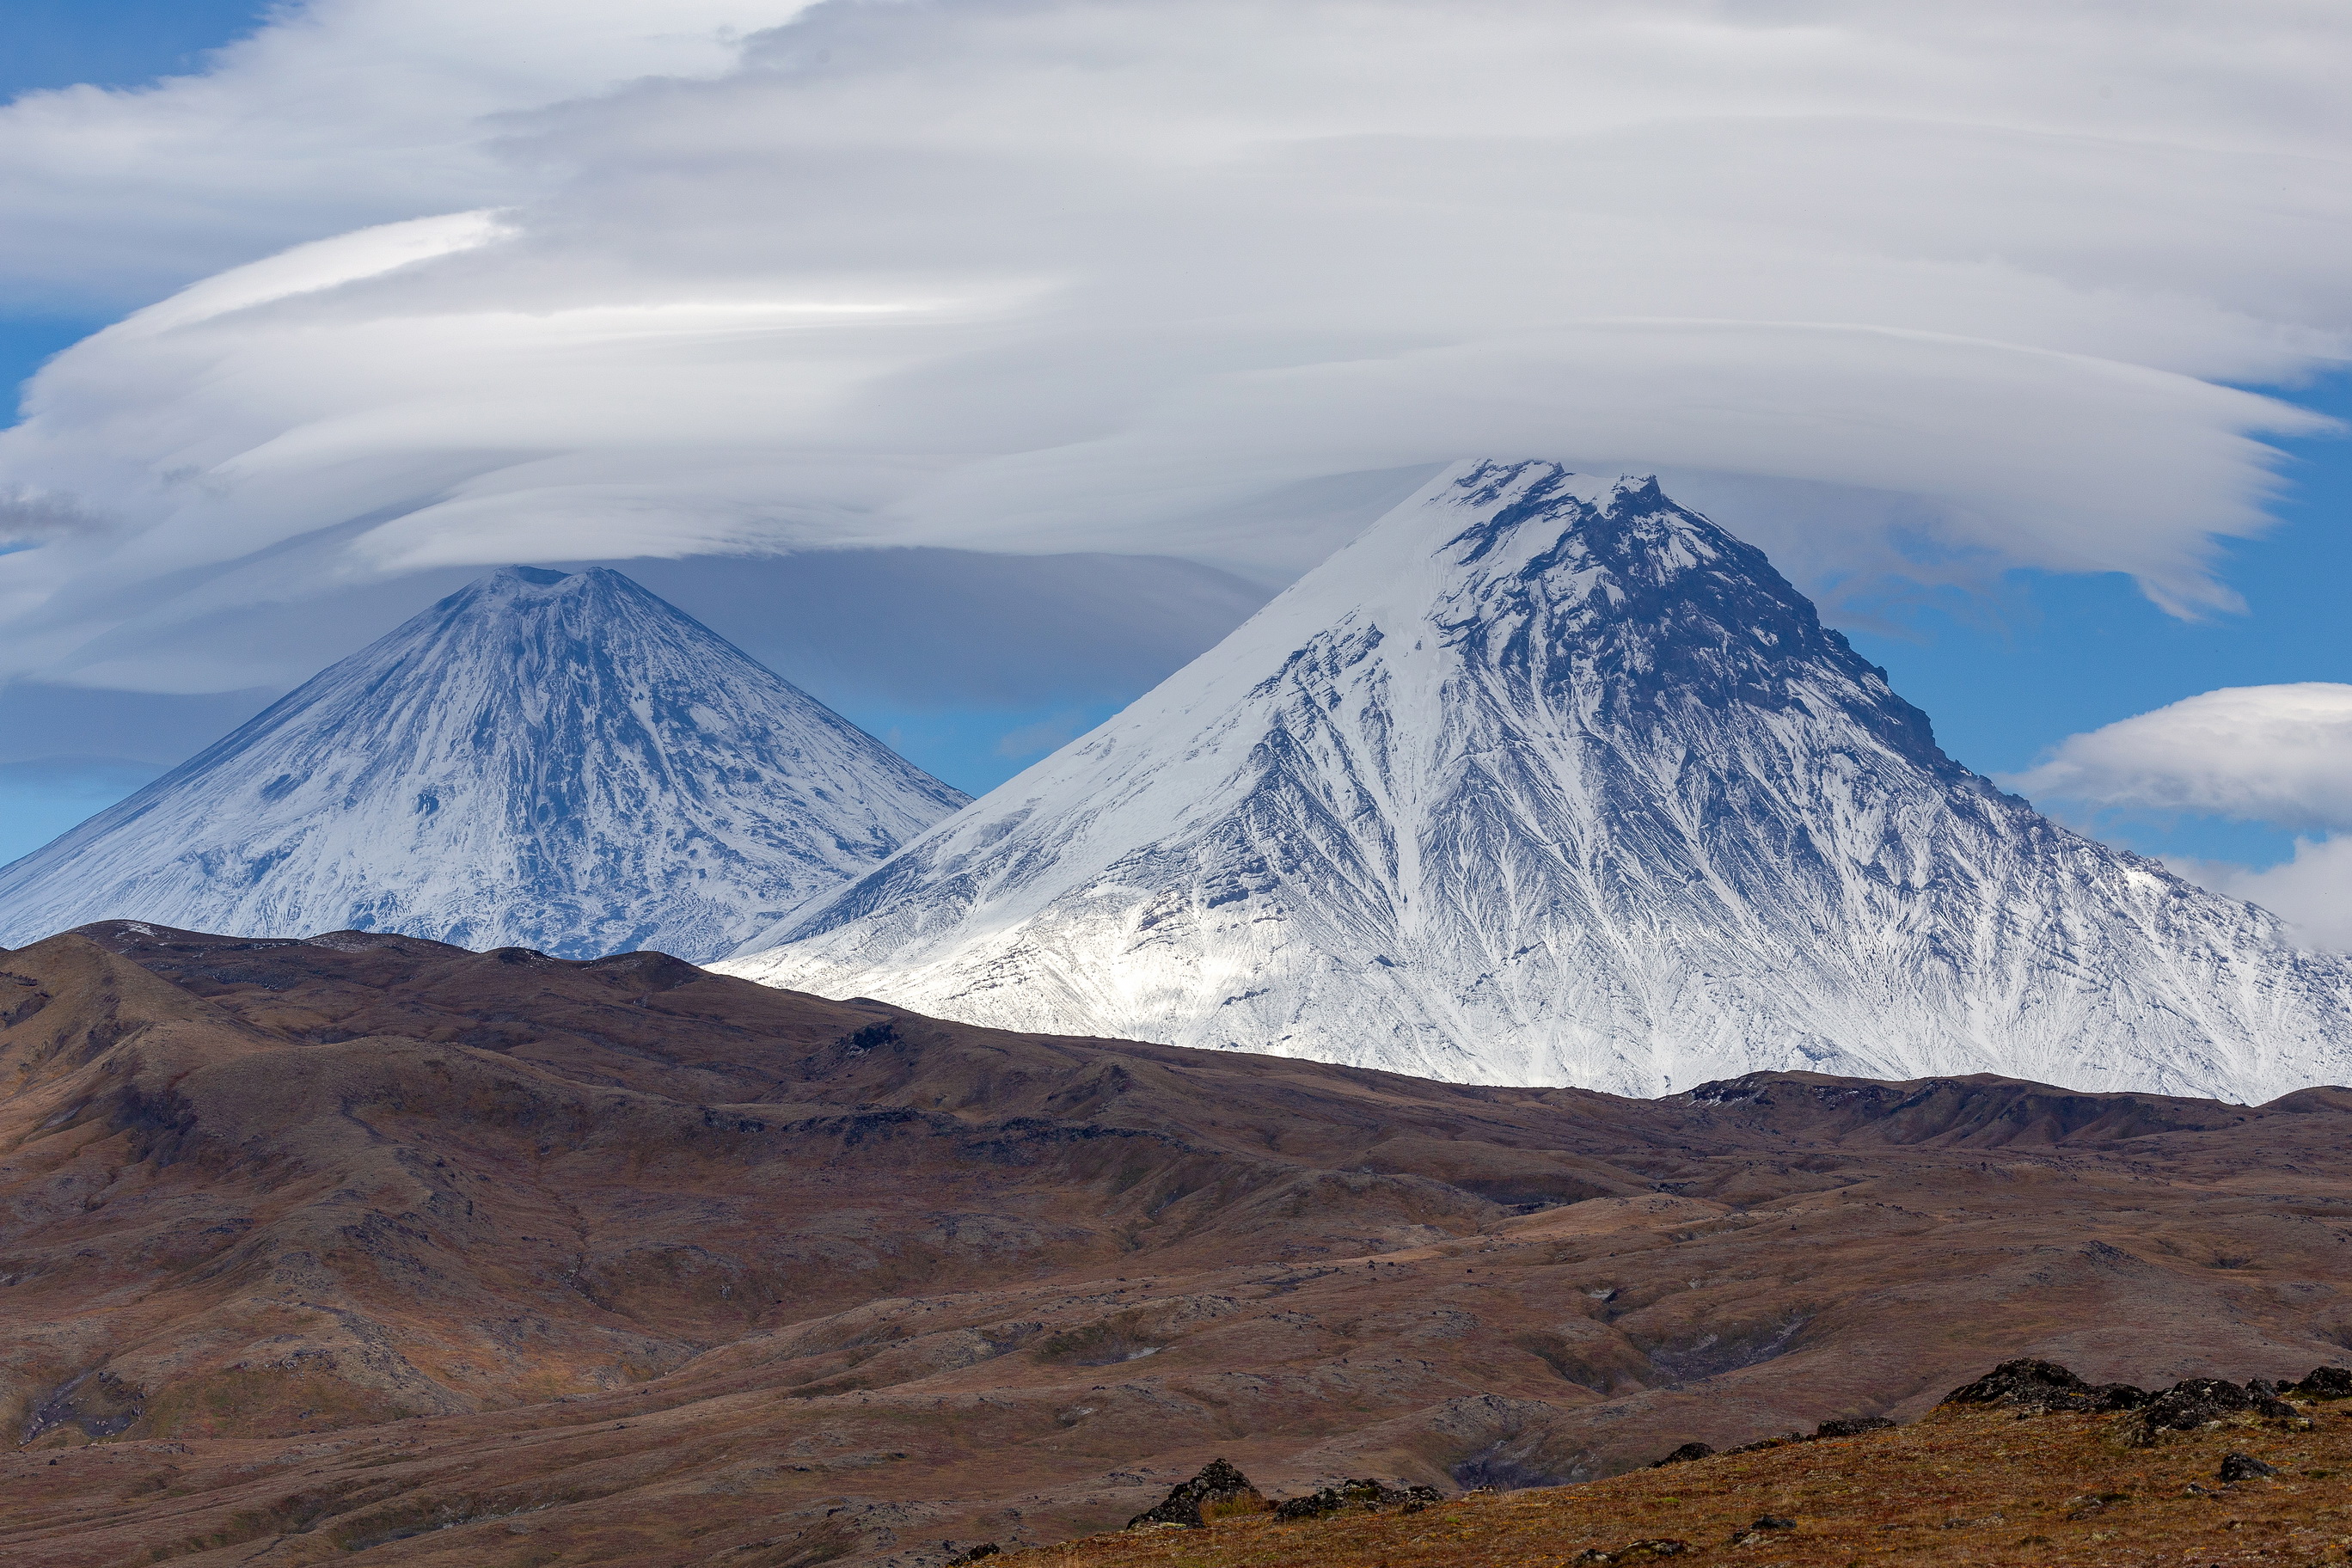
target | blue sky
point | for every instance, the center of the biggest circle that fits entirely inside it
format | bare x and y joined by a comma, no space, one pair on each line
58,43
2054,655
2005,676
110,43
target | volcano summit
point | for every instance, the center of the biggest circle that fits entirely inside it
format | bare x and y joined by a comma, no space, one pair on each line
1550,780
547,760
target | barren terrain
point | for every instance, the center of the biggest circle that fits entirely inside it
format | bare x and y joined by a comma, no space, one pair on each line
369,1245
1959,1487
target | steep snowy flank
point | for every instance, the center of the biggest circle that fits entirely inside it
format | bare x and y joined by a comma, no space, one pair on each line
1548,780
540,759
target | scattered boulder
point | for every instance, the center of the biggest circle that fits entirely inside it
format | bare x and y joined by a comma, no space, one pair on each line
2194,1401
1683,1456
2100,1400
1361,1496
2038,1387
1634,1551
2116,1396
1757,1533
2198,1401
2325,1383
963,1559
2267,1400
2091,1504
2244,1468
2022,1382
1851,1427
1219,1491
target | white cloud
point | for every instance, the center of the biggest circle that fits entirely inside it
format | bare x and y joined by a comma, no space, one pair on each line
2313,891
1107,276
2280,754
339,113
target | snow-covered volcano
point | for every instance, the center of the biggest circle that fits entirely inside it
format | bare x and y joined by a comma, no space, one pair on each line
1548,780
544,759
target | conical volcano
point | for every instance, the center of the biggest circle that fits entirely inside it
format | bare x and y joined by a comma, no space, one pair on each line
1549,779
547,760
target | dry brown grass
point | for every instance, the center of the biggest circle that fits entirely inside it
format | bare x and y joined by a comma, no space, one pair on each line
1960,1485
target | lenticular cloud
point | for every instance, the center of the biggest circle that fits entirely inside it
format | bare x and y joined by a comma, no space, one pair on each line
1105,276
2281,754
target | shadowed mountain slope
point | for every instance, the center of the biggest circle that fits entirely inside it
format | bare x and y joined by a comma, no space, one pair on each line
366,1245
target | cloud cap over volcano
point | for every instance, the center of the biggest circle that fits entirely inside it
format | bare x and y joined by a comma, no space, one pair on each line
1058,277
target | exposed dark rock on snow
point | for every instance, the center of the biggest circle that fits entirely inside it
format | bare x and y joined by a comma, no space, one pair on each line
1547,779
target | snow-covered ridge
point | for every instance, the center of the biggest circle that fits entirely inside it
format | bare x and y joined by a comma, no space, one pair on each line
1549,779
562,761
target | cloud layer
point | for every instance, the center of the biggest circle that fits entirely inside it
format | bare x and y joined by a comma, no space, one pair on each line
1114,276
2313,890
2279,754
339,114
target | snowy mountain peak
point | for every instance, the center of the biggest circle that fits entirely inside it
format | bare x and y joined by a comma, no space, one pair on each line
1546,779
553,760
1605,587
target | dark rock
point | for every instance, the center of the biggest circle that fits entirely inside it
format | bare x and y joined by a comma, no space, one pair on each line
2267,1400
2106,1397
2193,1402
2022,1382
2244,1468
1683,1456
1219,1491
1772,1521
985,1549
2325,1383
1852,1425
1361,1496
2090,1505
1634,1551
